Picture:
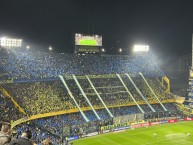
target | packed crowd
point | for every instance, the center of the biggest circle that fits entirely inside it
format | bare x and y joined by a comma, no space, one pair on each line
24,136
7,109
34,96
38,97
28,65
57,128
73,124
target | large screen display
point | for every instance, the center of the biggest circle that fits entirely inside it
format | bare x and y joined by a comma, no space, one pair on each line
88,40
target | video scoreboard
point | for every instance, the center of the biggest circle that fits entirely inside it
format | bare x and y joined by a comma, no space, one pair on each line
87,43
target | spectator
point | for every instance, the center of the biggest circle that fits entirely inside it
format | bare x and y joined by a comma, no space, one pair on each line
5,133
47,142
24,140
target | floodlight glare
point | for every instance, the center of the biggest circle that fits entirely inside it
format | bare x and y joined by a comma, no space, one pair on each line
28,47
10,42
141,48
120,50
50,48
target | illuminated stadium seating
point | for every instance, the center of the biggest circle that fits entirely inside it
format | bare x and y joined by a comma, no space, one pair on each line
35,85
40,97
8,110
71,123
26,65
34,96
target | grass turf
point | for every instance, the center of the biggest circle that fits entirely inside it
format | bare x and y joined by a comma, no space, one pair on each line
88,42
167,134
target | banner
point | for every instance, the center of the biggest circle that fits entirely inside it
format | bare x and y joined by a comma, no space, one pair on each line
163,122
154,123
188,119
73,137
139,125
172,121
122,128
90,134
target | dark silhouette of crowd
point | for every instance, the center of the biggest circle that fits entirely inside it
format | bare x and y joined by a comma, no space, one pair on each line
10,137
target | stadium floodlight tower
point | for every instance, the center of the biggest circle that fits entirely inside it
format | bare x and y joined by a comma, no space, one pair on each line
7,42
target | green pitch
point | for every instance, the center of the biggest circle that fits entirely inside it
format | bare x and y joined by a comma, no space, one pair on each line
88,42
167,134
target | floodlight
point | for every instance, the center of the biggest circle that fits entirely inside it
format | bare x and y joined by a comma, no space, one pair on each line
141,48
28,47
50,48
10,42
120,50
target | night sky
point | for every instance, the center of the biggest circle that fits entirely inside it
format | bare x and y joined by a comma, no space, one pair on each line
165,25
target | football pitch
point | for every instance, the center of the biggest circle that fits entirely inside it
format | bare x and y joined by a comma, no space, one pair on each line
88,42
167,134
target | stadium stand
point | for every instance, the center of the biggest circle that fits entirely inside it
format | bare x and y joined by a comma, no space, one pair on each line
31,79
8,111
26,65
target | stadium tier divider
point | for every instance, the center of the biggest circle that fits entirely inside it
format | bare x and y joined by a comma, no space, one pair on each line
140,93
17,106
153,92
84,95
99,96
70,93
130,93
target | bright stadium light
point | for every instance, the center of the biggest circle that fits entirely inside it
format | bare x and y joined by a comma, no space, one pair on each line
103,50
28,47
120,50
50,48
141,48
10,42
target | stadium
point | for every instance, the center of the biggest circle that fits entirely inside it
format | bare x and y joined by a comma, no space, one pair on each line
91,99
96,72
